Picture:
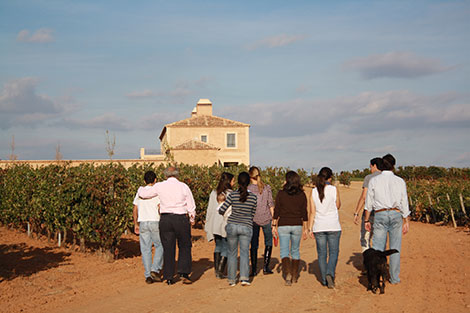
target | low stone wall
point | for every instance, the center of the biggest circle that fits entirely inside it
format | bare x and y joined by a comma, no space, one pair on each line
38,163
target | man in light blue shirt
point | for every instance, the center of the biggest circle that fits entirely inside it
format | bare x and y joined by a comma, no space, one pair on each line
387,197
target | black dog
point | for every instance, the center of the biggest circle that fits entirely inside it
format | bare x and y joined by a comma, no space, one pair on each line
375,263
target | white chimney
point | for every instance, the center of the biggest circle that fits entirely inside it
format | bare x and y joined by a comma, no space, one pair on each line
204,107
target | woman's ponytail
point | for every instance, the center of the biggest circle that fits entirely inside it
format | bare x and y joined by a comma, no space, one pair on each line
324,174
243,182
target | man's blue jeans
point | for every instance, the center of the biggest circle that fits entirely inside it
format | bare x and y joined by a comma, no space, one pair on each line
238,234
289,241
221,245
391,223
149,234
327,244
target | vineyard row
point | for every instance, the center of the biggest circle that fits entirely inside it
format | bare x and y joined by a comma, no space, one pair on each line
93,204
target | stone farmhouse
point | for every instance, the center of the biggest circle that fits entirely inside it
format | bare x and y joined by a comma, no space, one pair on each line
203,139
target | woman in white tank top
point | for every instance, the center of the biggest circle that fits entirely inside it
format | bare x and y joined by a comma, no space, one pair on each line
325,226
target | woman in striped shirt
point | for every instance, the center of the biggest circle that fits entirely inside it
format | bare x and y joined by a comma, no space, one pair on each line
239,228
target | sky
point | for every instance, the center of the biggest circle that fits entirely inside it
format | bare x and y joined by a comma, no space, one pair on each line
322,83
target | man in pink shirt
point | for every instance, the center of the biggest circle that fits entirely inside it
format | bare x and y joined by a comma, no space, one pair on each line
177,213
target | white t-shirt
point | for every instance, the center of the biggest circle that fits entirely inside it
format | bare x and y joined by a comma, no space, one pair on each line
147,208
326,216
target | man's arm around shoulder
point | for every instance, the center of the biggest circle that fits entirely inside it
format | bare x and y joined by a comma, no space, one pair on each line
147,193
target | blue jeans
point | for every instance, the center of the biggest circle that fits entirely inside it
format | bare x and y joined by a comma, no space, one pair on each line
149,234
389,222
289,241
221,245
327,243
268,237
238,234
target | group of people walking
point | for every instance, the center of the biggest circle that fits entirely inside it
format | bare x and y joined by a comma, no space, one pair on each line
251,209
165,211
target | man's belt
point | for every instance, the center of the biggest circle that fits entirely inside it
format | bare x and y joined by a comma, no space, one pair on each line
182,214
392,209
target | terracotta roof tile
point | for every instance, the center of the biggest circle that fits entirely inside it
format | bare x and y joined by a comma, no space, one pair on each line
195,145
207,121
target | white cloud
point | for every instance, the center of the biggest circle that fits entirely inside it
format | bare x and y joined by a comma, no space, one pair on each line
275,41
42,35
396,65
365,112
20,104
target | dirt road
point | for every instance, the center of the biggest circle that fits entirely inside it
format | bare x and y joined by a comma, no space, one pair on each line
435,274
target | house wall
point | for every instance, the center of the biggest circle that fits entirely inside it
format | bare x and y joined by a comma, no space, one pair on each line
199,157
217,137
154,157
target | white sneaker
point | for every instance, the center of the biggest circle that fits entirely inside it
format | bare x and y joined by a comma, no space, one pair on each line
232,284
245,283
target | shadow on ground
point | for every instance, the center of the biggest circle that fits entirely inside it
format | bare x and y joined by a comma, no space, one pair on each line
18,260
200,267
356,261
314,268
129,248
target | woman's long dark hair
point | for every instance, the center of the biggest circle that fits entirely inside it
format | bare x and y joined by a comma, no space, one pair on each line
293,185
243,182
224,184
324,174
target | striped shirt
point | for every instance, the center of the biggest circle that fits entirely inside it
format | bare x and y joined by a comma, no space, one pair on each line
242,212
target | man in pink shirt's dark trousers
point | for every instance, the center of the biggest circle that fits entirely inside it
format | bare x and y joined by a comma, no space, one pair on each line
177,214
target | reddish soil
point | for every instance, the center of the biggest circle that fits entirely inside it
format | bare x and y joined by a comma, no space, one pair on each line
37,277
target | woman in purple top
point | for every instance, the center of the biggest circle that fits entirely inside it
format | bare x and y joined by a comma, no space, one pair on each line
263,219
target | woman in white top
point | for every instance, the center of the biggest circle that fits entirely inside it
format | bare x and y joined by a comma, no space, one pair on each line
215,223
325,225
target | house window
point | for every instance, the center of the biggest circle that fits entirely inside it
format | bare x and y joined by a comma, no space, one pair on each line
204,138
231,140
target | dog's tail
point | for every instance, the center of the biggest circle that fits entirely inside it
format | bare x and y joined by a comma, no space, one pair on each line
391,251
